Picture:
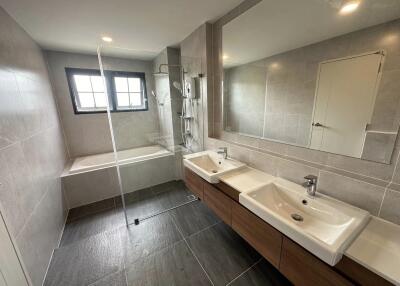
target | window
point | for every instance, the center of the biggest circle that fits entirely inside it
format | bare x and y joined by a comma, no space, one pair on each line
126,91
129,91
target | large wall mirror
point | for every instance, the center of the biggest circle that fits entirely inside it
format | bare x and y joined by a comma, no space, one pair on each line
315,74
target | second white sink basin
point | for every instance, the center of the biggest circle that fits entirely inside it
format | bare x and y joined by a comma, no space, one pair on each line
322,225
209,165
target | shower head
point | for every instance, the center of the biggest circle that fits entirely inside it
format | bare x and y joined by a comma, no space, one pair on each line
159,73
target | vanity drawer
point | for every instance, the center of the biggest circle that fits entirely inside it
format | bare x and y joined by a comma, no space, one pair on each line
218,202
259,234
194,183
303,268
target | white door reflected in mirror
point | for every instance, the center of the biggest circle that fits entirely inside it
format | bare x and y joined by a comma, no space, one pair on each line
345,97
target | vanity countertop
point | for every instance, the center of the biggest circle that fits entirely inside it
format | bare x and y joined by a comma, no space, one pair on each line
246,179
377,247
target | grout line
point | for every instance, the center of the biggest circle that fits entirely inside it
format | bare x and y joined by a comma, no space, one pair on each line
383,198
387,186
208,227
191,250
241,274
54,249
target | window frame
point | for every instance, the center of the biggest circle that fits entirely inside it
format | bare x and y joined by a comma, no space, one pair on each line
112,74
109,87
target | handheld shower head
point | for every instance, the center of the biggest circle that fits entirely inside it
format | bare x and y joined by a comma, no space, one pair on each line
178,86
157,99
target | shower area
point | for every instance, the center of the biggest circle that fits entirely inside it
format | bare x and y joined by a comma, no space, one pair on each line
154,117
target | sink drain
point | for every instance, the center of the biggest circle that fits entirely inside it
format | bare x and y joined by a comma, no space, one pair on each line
214,171
297,217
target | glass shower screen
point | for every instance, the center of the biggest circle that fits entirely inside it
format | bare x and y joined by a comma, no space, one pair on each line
144,104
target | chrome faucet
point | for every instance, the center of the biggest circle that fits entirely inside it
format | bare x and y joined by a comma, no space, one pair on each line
223,151
310,184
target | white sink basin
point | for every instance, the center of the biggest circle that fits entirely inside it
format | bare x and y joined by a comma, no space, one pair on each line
322,225
209,165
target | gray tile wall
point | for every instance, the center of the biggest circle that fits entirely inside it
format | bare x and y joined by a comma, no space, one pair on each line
194,58
368,185
32,151
88,134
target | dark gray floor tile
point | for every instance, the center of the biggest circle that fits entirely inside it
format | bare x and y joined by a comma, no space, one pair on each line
156,203
91,225
193,217
138,195
86,261
262,274
223,253
115,279
148,237
168,186
174,265
143,208
174,197
93,208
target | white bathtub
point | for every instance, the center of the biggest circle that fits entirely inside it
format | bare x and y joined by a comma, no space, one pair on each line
99,161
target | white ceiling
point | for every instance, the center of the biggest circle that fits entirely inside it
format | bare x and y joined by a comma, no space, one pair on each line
276,26
144,26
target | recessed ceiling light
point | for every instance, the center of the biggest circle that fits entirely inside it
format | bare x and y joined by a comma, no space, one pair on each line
107,39
349,7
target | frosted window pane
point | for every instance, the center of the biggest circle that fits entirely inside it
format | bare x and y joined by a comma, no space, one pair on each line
123,99
135,99
134,84
97,83
82,83
86,100
100,100
121,84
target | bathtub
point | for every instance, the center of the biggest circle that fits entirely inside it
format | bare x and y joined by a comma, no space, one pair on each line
99,161
94,178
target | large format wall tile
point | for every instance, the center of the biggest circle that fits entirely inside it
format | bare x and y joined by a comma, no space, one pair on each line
32,150
357,193
86,188
41,232
390,207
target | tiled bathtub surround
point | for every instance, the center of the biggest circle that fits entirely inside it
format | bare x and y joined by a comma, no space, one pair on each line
369,185
32,151
89,187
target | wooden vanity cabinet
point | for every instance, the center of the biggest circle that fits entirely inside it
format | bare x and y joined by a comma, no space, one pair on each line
220,203
293,261
304,269
263,237
194,182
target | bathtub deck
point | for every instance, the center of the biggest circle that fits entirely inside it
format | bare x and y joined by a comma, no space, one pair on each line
186,246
